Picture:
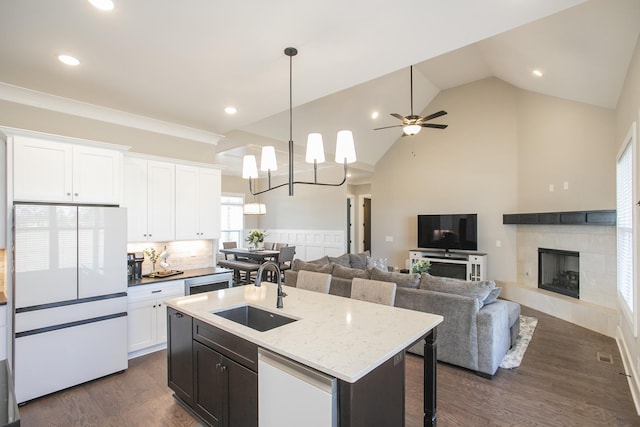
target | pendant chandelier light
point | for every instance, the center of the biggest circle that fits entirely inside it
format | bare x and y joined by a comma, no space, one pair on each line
345,151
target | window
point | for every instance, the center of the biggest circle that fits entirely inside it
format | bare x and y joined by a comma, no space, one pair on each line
231,219
625,224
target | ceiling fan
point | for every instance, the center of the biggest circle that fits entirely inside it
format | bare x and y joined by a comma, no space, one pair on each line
412,124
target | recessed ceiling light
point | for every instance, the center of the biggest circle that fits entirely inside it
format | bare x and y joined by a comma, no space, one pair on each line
375,115
102,4
69,60
230,110
537,73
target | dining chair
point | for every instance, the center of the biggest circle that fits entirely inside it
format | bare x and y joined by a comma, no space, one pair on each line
279,246
285,257
268,245
373,291
313,281
229,245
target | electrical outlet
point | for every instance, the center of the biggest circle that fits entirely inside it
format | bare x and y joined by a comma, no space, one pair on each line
551,188
388,239
566,185
498,243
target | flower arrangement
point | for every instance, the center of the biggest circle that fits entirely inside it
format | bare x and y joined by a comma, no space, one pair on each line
421,266
256,236
153,257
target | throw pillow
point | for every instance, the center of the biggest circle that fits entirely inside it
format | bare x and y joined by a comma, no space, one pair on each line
348,272
493,296
322,261
477,290
400,279
298,265
381,263
359,260
342,260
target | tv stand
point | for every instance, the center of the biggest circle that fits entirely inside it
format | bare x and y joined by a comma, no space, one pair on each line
460,265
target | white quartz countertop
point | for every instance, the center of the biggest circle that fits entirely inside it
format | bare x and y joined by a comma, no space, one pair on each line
341,337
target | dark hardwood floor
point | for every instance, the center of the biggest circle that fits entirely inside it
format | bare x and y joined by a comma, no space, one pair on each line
560,383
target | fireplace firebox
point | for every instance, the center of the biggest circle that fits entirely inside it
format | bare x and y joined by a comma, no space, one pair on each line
559,271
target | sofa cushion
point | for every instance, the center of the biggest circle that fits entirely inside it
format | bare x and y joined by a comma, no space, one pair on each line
349,273
400,279
342,260
298,264
358,260
479,290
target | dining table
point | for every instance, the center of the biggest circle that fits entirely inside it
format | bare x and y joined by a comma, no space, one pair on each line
259,255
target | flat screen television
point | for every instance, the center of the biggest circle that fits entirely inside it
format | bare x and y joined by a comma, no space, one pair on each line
456,231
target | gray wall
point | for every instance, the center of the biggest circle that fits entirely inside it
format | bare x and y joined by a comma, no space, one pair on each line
502,149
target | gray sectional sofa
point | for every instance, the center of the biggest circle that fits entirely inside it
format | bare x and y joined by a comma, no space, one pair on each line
478,327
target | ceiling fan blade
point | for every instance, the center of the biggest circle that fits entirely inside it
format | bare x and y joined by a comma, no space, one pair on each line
432,125
433,116
387,127
397,116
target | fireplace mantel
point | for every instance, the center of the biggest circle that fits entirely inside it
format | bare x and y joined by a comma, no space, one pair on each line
598,217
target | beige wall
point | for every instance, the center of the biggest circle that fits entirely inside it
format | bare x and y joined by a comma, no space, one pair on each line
470,167
502,149
563,141
629,111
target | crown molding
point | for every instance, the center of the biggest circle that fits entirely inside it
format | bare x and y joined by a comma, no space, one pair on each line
60,104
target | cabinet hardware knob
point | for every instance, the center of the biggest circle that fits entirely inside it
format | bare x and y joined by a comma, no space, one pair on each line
223,368
75,194
154,306
156,291
218,365
68,194
159,305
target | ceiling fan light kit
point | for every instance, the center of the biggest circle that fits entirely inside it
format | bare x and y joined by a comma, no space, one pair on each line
412,124
345,151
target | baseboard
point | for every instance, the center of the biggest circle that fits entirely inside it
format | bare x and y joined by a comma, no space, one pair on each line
148,350
629,370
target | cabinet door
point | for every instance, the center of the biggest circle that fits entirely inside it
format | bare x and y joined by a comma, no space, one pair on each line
210,393
161,315
42,170
243,395
180,355
161,213
142,324
135,198
187,214
209,189
96,175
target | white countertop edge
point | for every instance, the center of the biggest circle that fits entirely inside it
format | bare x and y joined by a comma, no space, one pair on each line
347,362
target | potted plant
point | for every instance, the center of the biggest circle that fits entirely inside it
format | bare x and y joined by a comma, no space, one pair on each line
255,237
421,266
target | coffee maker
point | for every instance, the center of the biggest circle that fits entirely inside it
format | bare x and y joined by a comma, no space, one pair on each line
134,265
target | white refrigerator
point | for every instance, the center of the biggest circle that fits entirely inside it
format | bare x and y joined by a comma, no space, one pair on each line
70,296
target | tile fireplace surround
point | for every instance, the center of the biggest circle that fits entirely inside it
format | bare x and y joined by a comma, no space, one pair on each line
596,308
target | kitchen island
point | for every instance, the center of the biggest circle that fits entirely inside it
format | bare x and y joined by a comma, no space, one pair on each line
213,361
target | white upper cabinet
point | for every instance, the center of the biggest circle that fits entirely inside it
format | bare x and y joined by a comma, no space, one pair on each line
197,203
149,196
53,171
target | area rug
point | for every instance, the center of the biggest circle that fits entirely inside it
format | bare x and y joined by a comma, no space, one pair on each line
514,356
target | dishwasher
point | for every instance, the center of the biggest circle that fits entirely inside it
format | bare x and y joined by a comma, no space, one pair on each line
293,395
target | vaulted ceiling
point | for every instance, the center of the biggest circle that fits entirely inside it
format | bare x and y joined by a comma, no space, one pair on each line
173,67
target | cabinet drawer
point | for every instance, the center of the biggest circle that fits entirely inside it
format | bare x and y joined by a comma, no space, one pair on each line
235,348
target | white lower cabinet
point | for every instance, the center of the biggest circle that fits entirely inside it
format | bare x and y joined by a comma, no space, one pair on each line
147,315
3,332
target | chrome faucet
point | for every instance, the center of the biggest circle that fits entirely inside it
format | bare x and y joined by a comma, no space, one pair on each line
278,273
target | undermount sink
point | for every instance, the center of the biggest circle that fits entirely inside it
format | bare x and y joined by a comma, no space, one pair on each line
255,318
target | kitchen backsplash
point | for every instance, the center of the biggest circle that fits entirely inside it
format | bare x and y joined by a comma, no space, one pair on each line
183,255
